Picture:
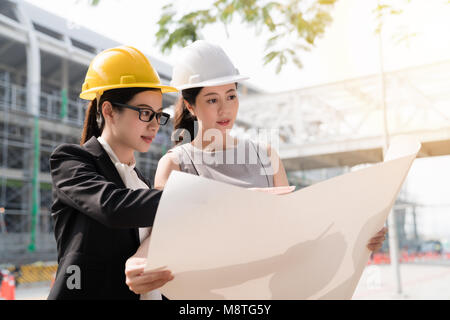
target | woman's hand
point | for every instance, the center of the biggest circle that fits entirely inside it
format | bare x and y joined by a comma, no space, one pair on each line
377,241
141,282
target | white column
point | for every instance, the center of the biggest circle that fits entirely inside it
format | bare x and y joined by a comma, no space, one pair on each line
33,101
392,225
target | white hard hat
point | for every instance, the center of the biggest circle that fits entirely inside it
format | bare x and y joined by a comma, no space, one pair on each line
203,64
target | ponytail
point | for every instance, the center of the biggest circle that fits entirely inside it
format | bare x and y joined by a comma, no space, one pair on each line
91,128
184,122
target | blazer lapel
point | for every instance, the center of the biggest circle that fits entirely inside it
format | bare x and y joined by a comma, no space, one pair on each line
103,161
146,181
108,169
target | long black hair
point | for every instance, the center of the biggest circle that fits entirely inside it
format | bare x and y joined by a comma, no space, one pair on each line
182,118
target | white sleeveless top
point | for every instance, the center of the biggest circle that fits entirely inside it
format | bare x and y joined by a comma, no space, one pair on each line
246,165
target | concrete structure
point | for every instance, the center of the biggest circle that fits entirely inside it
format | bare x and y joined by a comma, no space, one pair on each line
341,124
42,66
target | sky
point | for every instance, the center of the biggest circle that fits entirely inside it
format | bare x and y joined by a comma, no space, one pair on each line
349,49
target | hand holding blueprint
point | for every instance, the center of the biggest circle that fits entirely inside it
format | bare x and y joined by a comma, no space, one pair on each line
225,242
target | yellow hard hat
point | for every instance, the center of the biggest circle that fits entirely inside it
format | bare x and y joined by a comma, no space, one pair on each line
121,67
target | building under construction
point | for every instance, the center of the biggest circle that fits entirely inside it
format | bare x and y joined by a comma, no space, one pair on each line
42,66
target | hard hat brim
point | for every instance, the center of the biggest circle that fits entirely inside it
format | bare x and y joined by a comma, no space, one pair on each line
213,82
92,93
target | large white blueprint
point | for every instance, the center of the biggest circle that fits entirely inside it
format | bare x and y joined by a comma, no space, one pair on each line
225,242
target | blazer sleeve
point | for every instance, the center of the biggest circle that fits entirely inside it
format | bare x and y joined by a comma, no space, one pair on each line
78,184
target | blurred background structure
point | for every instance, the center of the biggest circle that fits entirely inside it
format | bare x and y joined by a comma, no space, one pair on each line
324,130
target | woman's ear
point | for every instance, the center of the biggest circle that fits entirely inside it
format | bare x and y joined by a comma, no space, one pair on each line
189,107
108,112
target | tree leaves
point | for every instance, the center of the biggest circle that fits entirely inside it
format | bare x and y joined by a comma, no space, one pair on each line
180,31
286,25
94,2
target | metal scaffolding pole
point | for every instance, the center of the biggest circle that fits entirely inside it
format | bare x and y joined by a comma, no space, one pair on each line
33,101
3,201
64,89
392,223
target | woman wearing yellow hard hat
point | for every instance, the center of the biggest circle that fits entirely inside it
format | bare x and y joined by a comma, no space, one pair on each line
206,112
103,206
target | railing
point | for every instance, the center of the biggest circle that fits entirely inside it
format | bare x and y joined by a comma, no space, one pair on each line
51,108
417,100
14,97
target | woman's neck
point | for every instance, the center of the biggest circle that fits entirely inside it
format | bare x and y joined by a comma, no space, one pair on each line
124,153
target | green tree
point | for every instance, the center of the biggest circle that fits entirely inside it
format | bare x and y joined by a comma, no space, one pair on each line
289,27
94,2
388,9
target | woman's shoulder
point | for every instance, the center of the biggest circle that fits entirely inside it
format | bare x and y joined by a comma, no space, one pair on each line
168,163
70,151
171,158
66,156
178,152
90,148
68,148
178,148
174,149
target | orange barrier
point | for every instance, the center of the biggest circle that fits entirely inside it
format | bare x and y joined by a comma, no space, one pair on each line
3,286
53,280
384,258
8,289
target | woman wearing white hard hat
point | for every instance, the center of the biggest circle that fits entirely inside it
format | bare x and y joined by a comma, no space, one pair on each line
205,115
206,112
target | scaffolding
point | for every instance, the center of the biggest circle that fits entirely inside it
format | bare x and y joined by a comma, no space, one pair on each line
33,122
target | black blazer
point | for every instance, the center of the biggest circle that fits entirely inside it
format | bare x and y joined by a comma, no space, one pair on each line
96,222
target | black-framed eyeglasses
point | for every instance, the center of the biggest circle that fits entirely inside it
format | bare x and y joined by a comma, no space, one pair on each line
146,114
